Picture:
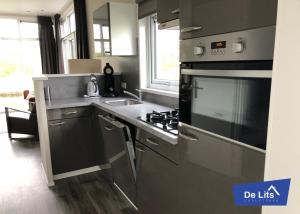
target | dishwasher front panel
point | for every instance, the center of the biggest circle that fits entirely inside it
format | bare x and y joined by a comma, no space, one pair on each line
120,153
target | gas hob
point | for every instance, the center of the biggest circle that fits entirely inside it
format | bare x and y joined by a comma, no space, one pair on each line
166,121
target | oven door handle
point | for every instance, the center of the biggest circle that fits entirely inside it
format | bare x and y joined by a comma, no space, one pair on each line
228,73
196,88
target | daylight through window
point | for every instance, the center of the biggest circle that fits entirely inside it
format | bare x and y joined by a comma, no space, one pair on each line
19,56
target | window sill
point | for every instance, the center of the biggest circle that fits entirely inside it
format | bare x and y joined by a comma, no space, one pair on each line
161,92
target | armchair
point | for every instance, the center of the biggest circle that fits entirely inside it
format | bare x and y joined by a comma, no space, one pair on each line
21,122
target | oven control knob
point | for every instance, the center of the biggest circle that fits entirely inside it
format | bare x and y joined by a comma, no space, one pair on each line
238,47
198,50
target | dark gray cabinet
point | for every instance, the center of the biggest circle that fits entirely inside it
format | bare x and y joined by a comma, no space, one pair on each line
156,180
167,10
208,17
71,144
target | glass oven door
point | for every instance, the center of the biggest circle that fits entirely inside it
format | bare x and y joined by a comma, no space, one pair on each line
233,104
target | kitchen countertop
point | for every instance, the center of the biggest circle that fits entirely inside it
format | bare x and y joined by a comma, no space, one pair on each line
42,77
128,113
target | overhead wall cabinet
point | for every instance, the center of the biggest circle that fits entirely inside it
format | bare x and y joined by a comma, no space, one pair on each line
146,7
167,10
241,15
115,29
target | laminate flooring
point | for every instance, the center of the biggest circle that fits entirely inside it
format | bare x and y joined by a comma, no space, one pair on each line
23,189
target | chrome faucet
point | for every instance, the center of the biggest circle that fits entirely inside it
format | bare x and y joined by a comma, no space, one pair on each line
139,97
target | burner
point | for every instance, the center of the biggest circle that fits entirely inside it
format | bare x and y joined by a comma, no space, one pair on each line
167,121
173,124
157,118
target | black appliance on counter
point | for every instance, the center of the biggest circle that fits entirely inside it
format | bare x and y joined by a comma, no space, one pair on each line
166,121
109,82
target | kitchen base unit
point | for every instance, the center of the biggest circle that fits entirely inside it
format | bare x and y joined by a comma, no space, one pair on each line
71,139
156,175
209,167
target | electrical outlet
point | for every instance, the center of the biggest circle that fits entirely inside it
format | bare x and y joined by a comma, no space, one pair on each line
124,85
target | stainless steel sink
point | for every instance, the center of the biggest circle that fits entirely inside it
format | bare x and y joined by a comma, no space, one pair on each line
122,102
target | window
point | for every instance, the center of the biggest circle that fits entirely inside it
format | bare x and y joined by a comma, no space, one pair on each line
19,56
68,35
159,55
101,40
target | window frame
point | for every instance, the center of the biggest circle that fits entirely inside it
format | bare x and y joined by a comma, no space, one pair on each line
152,81
68,38
21,40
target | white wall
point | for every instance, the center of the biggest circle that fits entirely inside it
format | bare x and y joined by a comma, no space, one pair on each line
283,148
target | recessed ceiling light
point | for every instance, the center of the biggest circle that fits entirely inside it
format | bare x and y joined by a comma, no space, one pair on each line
42,10
28,11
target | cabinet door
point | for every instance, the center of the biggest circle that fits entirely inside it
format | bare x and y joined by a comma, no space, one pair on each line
71,144
209,167
156,182
208,17
167,10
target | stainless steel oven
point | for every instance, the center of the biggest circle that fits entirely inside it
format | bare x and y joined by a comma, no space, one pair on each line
224,105
225,84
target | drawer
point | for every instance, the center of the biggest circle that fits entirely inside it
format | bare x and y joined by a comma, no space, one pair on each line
99,111
157,144
64,113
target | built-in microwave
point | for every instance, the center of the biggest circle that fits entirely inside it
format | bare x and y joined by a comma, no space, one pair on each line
225,84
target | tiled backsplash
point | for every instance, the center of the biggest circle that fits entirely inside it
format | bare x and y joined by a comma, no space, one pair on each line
74,86
161,99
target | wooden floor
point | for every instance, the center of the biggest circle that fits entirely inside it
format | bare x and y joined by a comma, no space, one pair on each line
24,191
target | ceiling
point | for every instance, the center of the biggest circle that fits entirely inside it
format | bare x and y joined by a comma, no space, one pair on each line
32,7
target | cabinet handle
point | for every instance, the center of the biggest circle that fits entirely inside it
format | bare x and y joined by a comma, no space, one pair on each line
108,128
140,150
57,124
70,113
176,11
196,89
190,29
151,142
186,137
